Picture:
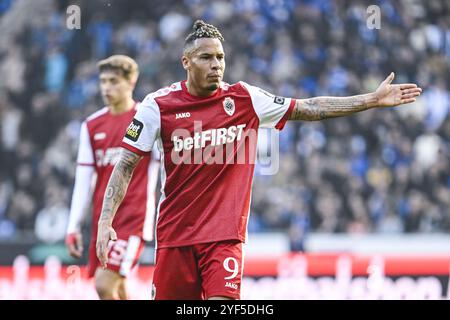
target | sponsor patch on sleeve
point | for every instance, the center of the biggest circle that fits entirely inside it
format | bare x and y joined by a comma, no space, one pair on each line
134,130
278,100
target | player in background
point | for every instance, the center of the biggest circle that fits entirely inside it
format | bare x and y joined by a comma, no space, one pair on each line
100,138
203,211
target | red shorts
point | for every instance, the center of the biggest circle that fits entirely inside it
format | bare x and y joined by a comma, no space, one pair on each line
123,255
199,271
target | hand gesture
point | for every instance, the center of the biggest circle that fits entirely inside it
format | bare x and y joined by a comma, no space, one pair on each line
390,95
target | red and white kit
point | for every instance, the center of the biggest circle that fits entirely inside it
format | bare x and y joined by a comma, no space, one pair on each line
207,146
100,138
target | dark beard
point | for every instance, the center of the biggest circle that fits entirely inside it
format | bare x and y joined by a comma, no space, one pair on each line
213,87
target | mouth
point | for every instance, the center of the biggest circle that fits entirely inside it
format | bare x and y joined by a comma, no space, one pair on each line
214,77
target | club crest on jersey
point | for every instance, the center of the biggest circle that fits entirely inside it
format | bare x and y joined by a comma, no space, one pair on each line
228,106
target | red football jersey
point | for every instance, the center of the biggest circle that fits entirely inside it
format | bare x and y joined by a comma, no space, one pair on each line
100,139
208,148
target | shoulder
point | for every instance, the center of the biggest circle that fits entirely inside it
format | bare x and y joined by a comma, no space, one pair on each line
97,115
243,88
239,87
96,120
168,92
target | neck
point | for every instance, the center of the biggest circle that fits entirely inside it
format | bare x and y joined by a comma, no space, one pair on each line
195,91
122,106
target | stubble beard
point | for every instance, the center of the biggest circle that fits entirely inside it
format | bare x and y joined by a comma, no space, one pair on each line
213,87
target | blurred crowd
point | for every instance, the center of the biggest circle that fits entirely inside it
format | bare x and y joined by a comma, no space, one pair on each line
380,171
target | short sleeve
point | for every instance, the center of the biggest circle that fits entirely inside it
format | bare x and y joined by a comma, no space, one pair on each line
273,111
144,128
85,154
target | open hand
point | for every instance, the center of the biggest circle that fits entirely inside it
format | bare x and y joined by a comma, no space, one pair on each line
390,95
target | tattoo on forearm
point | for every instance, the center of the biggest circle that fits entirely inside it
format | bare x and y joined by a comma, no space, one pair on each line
118,184
330,107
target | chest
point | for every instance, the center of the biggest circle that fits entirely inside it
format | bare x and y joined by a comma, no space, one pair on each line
106,138
223,112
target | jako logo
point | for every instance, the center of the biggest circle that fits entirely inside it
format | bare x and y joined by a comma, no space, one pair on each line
231,285
182,115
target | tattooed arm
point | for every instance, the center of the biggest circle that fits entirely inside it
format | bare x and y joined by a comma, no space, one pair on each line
330,107
387,95
114,194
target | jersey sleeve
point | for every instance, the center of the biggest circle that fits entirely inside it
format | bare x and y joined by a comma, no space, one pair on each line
80,197
85,154
156,155
272,111
153,170
144,129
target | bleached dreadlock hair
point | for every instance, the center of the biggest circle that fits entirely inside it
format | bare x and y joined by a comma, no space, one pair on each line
201,30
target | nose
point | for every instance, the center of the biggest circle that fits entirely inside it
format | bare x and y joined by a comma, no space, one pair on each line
215,64
105,88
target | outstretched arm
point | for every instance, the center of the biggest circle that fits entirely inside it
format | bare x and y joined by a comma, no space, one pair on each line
387,95
114,194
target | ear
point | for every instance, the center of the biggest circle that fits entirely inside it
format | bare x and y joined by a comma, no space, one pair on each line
186,62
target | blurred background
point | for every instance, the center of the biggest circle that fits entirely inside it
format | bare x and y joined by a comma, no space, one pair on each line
374,183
